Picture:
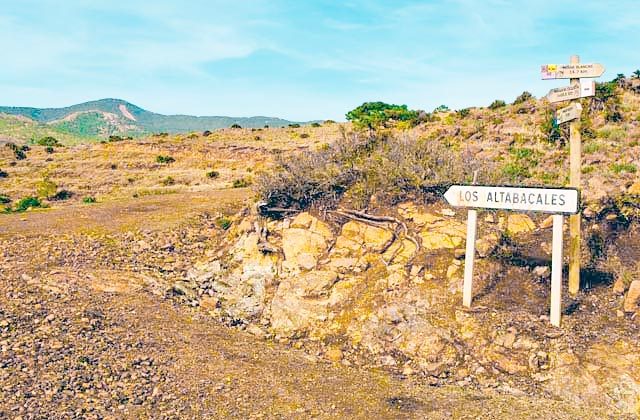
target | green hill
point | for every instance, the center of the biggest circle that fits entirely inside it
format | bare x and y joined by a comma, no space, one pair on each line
105,117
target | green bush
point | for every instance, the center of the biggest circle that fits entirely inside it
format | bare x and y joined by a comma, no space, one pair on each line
295,125
315,125
3,174
61,195
164,159
18,152
46,188
241,183
213,174
4,199
89,199
168,181
623,167
591,147
236,126
498,103
27,203
48,141
464,112
523,97
223,223
49,149
373,115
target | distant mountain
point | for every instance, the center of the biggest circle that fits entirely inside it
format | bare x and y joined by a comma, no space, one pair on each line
107,117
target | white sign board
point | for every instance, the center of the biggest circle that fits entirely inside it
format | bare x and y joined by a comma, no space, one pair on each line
547,200
565,93
569,113
587,88
571,71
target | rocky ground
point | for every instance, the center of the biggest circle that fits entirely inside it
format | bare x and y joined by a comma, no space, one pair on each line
90,327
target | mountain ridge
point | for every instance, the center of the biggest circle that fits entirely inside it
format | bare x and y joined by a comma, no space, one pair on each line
112,116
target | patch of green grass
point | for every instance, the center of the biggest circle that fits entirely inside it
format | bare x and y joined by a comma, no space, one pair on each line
27,203
587,169
4,199
89,199
613,134
223,223
164,159
516,171
168,181
623,167
591,147
240,183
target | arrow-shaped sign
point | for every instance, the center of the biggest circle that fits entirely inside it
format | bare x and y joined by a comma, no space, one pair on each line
584,89
569,113
571,71
548,200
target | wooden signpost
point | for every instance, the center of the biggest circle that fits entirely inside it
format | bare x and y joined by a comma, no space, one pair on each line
573,71
558,201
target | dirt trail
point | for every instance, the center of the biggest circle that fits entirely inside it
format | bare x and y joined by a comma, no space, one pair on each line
149,212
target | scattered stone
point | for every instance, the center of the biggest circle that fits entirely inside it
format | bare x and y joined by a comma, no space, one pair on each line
334,354
447,212
519,223
541,271
619,286
632,299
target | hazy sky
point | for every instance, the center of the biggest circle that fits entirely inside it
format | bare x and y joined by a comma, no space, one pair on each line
301,59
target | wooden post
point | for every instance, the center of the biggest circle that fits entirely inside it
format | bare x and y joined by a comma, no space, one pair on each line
575,163
472,222
556,271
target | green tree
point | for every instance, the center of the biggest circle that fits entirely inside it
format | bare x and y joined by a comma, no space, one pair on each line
636,74
523,97
498,103
373,115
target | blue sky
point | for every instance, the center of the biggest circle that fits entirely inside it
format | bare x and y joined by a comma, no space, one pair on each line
300,59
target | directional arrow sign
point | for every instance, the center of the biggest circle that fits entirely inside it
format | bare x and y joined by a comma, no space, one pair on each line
565,93
571,71
548,200
569,113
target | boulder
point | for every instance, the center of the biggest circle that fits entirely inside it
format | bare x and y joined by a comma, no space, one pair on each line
632,300
357,238
519,223
443,234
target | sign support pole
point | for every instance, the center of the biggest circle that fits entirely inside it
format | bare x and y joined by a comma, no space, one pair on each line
575,163
472,223
556,271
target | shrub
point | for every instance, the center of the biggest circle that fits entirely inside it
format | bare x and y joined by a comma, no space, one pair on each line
304,136
235,126
49,149
266,126
516,171
48,141
46,188
223,223
241,183
27,203
3,174
257,138
464,112
206,133
164,159
523,97
315,125
591,147
295,125
4,199
441,108
61,195
213,174
18,152
113,139
356,167
623,167
329,122
89,199
373,115
498,103
168,181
